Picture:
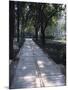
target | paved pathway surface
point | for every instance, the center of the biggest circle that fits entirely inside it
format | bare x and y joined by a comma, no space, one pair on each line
35,69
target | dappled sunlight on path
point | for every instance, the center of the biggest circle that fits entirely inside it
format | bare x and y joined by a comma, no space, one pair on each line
35,69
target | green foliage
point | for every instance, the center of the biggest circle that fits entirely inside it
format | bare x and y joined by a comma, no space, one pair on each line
39,16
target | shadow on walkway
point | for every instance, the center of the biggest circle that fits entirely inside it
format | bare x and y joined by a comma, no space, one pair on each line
35,69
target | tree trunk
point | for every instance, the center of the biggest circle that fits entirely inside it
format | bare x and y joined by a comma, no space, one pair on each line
11,29
21,32
42,35
36,33
18,22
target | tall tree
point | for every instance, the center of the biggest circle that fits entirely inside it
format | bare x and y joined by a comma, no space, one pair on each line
18,21
45,12
11,28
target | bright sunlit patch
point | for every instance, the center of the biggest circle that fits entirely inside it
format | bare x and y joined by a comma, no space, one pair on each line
29,78
41,66
23,67
43,74
40,62
37,82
